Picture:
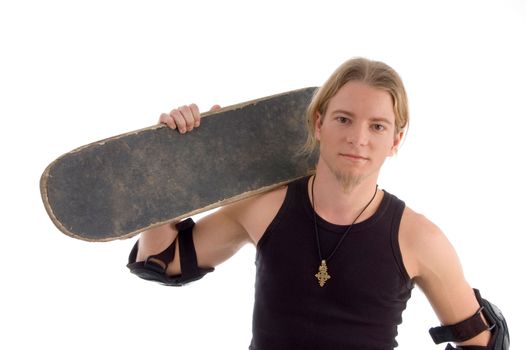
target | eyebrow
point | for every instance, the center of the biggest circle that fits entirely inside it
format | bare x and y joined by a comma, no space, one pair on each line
385,120
350,114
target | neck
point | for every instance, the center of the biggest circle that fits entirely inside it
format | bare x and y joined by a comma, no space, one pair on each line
340,205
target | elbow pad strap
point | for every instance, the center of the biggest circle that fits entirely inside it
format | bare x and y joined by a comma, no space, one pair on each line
461,331
154,267
467,329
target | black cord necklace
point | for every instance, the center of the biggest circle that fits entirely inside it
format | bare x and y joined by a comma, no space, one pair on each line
323,274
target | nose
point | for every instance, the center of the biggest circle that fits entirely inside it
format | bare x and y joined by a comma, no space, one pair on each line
358,135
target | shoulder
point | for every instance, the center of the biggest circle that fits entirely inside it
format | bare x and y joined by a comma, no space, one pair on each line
417,227
256,213
423,244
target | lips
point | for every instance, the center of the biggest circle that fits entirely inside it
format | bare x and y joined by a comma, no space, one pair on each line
353,156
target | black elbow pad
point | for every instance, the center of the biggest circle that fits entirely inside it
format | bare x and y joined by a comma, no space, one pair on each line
467,329
500,337
154,267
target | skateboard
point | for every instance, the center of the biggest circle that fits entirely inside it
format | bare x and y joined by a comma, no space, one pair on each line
123,185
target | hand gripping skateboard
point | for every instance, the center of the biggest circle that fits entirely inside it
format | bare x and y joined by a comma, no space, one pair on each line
120,186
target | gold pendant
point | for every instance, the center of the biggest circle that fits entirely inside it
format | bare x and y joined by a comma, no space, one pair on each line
322,274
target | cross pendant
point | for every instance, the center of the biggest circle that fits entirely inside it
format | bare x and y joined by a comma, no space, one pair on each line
322,274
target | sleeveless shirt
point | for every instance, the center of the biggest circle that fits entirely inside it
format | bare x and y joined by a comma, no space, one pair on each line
359,307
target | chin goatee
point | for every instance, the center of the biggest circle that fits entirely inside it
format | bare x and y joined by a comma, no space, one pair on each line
346,180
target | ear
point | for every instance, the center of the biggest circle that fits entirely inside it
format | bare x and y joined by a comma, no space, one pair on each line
317,126
396,143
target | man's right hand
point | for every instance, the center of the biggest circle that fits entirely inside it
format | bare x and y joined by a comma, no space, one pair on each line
184,118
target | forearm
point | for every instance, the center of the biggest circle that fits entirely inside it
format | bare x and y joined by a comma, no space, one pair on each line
480,340
156,240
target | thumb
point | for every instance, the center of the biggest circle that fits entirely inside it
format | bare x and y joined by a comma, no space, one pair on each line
215,107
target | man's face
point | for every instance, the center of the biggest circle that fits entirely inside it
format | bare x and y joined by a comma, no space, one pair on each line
357,133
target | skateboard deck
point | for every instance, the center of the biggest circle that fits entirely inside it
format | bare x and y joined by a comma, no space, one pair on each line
123,185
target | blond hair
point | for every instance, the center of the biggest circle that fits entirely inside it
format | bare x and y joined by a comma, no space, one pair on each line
374,73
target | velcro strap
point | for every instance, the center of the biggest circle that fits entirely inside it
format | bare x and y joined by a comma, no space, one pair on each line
461,331
187,255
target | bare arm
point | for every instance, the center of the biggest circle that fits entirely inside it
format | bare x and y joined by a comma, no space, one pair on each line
432,261
216,238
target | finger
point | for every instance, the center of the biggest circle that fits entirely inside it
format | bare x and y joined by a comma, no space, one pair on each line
195,114
188,116
179,119
215,107
167,120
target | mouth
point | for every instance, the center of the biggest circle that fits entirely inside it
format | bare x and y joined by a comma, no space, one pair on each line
353,157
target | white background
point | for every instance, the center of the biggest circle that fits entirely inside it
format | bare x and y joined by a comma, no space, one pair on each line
74,72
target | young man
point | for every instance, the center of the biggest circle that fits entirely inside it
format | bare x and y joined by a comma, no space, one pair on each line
337,257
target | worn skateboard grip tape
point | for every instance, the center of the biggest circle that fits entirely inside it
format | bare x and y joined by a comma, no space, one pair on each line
118,187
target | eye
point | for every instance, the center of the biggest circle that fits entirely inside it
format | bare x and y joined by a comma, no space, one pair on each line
342,120
378,127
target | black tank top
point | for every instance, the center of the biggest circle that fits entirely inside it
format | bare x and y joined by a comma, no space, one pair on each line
361,304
